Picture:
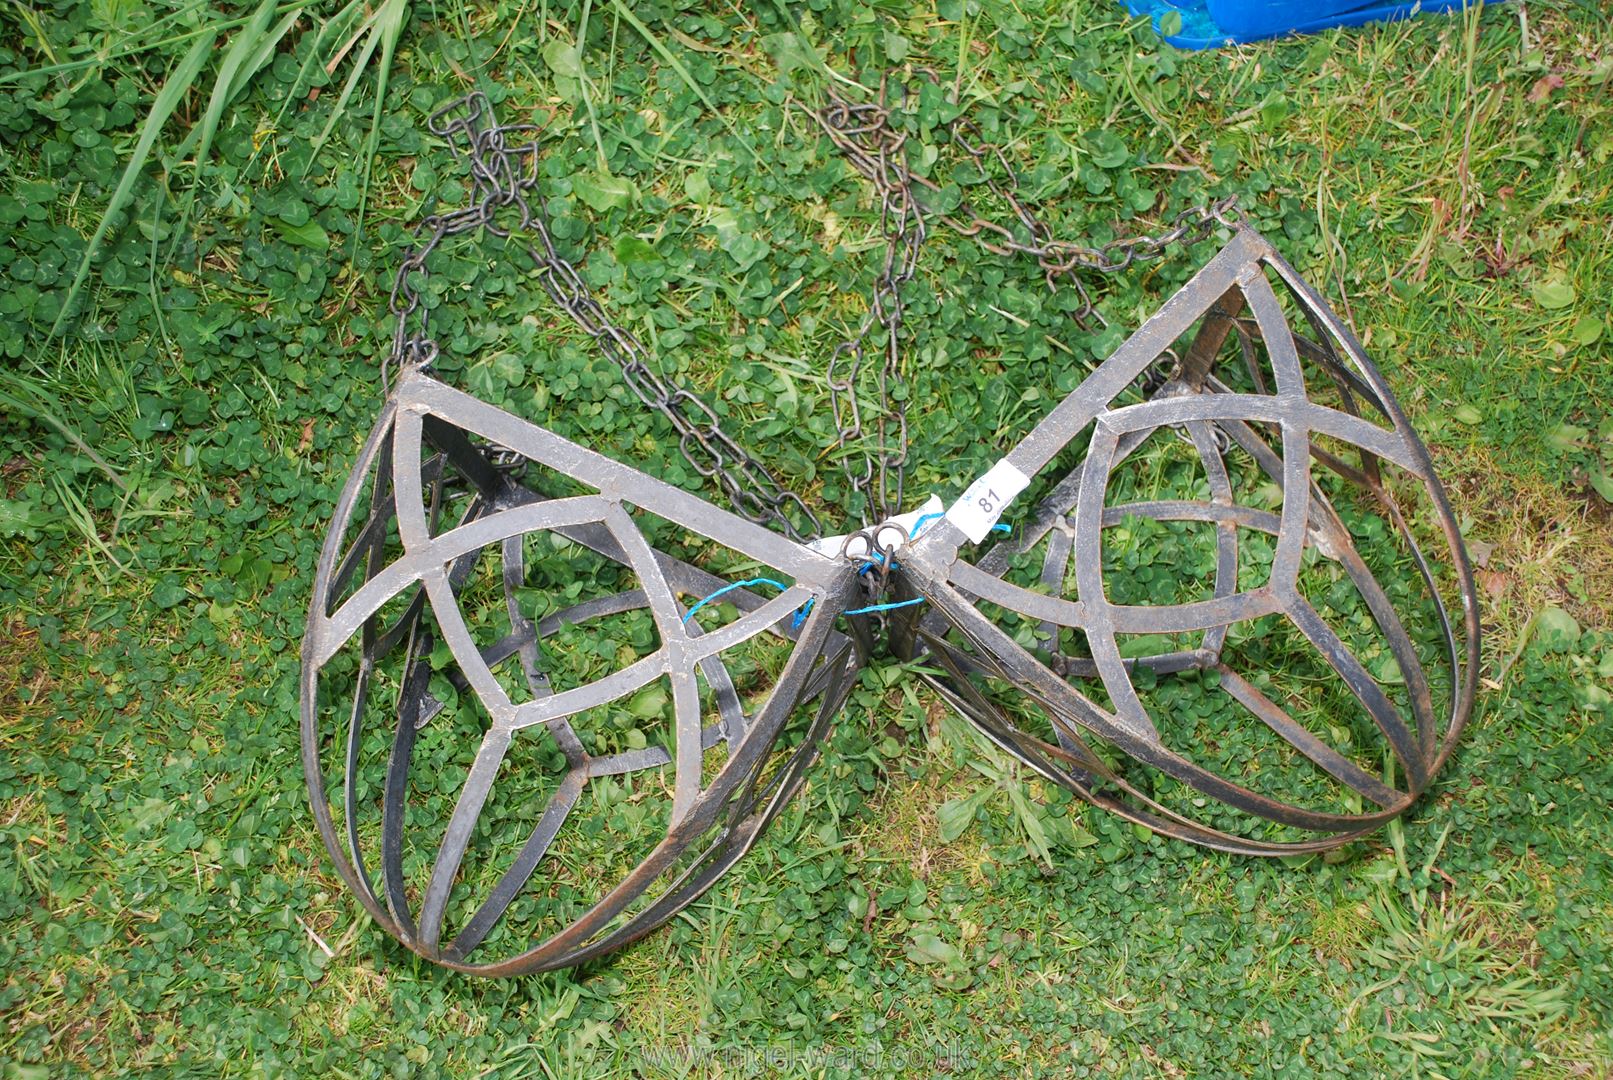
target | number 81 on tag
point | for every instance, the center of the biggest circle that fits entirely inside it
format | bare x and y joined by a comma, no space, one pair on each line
978,509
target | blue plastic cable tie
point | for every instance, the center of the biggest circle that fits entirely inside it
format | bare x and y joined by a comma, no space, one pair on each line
780,586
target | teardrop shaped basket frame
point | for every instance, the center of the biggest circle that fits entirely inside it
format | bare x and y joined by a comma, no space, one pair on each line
389,587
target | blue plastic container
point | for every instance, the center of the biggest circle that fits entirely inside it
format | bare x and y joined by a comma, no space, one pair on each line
1210,24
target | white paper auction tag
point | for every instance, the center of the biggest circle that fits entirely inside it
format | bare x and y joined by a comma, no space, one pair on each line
983,503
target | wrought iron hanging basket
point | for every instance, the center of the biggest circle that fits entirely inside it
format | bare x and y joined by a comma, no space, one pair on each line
548,698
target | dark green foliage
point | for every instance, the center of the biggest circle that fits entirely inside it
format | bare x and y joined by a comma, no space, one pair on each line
170,455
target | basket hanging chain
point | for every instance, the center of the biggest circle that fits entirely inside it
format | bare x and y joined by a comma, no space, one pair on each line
505,200
871,432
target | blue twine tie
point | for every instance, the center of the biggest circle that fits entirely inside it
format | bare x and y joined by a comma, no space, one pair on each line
806,609
870,609
801,613
927,518
780,586
913,533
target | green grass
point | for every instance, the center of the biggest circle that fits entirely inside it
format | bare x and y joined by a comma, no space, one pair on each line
180,416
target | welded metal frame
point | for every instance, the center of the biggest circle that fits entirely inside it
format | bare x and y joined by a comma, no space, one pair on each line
1072,518
428,428
725,814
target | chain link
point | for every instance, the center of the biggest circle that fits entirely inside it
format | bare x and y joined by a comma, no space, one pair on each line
878,152
867,138
503,162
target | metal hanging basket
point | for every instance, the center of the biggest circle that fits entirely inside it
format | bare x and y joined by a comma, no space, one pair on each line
548,699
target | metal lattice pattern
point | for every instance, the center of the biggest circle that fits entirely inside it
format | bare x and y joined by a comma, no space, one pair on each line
426,708
1278,427
428,434
503,166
